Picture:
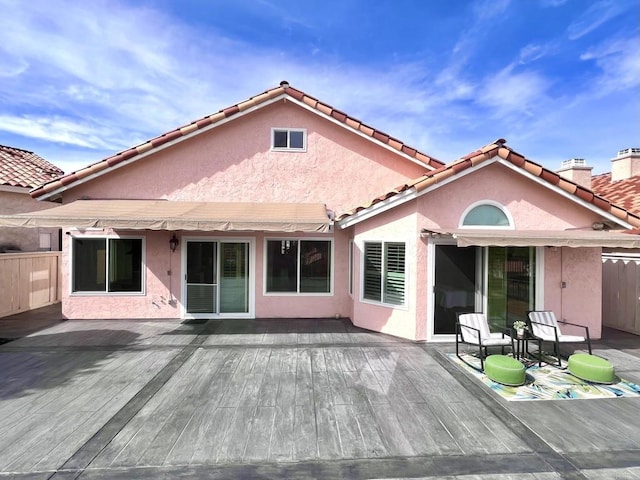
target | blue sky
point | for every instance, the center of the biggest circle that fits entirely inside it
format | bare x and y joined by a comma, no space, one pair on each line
558,79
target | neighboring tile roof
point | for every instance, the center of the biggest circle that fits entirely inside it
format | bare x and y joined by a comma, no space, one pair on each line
625,193
499,149
21,168
284,89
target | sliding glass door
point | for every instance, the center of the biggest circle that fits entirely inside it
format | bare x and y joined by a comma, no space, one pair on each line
498,281
457,273
217,277
510,284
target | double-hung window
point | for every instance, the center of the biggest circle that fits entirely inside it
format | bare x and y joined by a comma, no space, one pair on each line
384,272
108,265
298,266
288,139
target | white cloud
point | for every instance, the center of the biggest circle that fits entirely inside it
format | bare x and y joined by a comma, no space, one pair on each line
510,95
552,3
597,14
57,130
488,9
535,51
12,66
619,61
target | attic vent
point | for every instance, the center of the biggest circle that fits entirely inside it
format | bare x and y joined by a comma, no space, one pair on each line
574,162
628,151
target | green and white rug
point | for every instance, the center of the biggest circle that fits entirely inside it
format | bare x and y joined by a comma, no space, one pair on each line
549,383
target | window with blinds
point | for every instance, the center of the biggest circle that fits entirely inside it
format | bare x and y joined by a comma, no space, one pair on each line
384,272
394,274
373,271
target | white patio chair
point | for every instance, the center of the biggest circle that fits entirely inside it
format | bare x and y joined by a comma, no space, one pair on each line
546,327
473,329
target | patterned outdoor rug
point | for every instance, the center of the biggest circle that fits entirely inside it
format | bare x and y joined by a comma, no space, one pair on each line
550,383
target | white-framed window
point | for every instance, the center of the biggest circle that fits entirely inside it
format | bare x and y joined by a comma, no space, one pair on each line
296,266
351,265
107,265
384,272
289,139
486,214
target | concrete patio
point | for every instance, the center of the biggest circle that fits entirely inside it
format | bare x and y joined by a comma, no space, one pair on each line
285,399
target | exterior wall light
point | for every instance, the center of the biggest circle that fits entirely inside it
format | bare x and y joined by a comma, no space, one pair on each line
173,242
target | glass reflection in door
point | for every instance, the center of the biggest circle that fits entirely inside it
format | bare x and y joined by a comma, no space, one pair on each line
454,287
202,282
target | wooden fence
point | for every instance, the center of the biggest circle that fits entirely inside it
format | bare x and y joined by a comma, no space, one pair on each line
28,281
621,292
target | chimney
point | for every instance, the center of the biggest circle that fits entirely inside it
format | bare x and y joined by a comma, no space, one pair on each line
577,171
626,164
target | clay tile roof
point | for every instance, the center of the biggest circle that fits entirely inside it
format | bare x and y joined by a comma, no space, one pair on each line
624,193
498,148
21,168
283,89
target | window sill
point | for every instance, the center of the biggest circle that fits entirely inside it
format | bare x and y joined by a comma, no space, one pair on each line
285,149
403,307
107,294
296,294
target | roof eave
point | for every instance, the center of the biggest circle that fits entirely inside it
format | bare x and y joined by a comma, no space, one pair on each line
361,134
378,208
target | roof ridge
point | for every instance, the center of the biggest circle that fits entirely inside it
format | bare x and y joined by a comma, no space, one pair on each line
15,148
102,166
498,148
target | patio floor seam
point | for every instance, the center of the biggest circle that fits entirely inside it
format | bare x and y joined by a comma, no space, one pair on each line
223,346
559,463
425,466
83,457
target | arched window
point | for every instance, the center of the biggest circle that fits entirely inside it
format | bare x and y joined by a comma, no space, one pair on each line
486,215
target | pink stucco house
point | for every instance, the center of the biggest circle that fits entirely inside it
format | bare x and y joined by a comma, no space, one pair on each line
282,206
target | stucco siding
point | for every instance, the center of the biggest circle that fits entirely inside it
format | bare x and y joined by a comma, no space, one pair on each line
27,239
397,225
532,206
573,287
234,163
160,287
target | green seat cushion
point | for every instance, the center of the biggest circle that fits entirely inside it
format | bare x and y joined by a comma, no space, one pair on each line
591,368
504,370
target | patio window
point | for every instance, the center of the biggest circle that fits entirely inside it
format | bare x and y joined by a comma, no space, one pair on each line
298,266
384,272
288,139
108,265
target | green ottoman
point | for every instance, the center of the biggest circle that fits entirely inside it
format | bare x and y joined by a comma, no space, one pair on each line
504,370
591,368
